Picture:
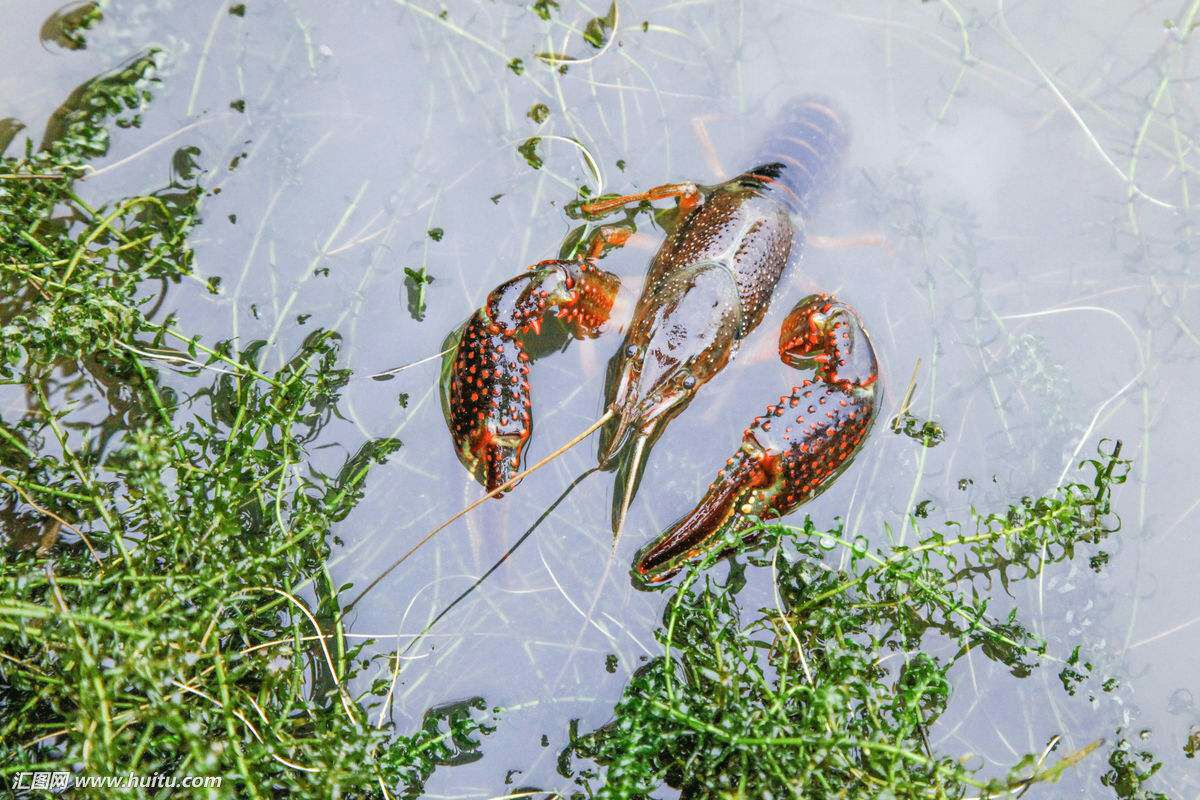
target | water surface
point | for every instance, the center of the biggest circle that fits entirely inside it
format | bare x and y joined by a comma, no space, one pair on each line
1030,168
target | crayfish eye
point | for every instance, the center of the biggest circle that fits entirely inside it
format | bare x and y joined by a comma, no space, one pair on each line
689,382
631,351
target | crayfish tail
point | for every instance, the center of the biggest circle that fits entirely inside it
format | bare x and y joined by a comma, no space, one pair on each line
802,151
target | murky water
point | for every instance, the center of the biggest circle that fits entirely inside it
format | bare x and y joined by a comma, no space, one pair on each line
996,149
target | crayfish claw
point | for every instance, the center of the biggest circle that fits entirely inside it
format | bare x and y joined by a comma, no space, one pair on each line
724,509
488,402
486,392
793,451
502,459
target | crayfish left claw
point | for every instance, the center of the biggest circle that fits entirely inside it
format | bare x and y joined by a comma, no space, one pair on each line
793,451
488,402
725,508
502,458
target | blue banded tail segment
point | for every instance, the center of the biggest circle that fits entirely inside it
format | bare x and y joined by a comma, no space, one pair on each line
800,155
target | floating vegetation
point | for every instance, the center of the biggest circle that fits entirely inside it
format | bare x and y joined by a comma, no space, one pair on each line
599,29
528,151
63,298
154,620
597,32
543,8
831,692
68,26
1129,769
926,432
415,281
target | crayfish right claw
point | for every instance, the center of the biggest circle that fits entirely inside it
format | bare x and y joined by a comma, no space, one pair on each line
725,507
793,451
486,391
488,403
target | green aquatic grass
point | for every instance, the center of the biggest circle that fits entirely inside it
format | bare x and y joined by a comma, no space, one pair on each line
829,692
165,605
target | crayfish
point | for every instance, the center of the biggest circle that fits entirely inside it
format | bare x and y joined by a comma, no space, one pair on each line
708,287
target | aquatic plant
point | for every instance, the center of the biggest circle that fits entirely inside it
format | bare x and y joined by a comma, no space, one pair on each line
831,692
165,605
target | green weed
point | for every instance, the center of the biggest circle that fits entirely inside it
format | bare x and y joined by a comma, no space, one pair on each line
168,608
830,694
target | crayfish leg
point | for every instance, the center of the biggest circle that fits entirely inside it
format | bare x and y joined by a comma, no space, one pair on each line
688,194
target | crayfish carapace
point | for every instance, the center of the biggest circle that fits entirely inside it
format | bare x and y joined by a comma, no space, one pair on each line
707,289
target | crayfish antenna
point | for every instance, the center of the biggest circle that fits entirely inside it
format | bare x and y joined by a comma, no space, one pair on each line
388,374
496,492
